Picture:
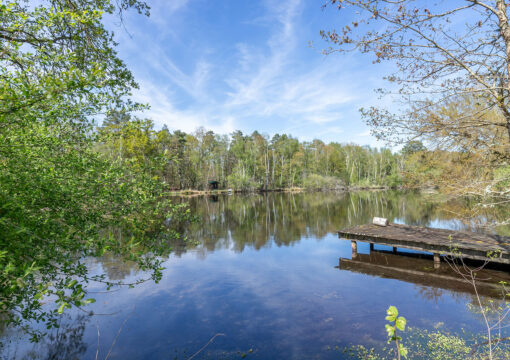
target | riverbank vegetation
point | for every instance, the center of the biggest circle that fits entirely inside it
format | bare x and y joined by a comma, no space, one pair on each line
241,162
245,162
434,345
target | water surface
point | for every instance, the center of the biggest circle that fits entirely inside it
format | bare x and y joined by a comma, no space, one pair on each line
265,274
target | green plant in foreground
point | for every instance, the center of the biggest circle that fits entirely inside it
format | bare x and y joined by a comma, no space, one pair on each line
396,323
422,344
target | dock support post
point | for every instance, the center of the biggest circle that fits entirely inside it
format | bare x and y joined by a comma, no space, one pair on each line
394,249
354,247
437,261
371,246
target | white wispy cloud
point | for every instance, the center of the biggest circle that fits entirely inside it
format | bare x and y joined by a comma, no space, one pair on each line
164,112
264,84
162,10
250,87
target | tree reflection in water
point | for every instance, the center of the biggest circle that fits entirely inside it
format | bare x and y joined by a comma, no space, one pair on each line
63,343
281,219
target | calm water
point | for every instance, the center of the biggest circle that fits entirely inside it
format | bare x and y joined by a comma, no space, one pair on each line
267,276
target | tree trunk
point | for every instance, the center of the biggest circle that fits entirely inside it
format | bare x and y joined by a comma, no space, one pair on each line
507,118
504,29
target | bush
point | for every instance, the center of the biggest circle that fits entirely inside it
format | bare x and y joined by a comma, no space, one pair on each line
319,182
241,182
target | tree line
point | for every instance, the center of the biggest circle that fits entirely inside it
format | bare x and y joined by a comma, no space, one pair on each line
246,161
250,162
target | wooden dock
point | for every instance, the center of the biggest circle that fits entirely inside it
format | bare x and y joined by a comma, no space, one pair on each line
436,241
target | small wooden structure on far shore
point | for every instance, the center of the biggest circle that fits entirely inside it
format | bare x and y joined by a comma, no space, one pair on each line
213,184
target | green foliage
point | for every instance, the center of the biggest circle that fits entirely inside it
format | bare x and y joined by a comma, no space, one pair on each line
240,181
501,181
319,182
435,345
447,347
61,200
412,147
249,162
395,323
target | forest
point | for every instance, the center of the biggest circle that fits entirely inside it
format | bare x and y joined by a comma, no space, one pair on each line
250,162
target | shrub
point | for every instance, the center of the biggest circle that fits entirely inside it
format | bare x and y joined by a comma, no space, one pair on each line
319,182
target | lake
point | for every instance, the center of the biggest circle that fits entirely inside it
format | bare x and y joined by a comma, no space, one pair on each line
263,273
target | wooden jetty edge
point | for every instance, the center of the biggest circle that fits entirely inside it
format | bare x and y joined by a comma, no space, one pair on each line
436,241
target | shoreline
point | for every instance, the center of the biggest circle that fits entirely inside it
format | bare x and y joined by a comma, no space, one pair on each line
192,192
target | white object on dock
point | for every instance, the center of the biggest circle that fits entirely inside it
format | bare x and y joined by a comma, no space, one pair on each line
380,221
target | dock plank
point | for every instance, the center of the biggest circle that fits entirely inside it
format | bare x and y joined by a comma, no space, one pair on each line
448,242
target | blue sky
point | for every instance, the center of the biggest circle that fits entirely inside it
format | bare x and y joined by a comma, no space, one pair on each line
248,65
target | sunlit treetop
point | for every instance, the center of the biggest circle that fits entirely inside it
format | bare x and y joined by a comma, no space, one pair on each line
57,56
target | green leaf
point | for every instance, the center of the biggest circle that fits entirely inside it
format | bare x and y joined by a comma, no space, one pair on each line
400,323
392,313
403,351
390,330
